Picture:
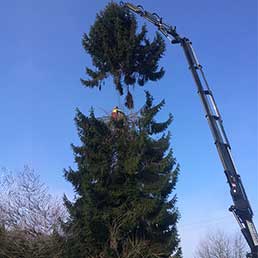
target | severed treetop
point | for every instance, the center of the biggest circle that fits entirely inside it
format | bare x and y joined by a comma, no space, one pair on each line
119,51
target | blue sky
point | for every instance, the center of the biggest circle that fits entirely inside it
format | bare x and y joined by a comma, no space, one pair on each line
42,61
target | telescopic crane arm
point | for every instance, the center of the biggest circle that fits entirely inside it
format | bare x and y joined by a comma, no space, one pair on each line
241,208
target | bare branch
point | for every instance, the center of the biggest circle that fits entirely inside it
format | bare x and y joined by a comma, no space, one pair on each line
220,245
29,216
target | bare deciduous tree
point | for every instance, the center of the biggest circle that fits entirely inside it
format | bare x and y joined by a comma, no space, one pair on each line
221,245
30,218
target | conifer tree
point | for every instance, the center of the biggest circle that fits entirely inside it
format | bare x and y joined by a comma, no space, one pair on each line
119,51
124,177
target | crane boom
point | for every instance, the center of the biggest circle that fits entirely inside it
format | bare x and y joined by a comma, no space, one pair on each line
241,209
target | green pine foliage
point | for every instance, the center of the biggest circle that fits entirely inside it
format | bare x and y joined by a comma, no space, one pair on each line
124,177
119,51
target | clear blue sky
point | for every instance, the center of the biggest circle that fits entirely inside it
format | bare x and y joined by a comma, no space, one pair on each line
42,61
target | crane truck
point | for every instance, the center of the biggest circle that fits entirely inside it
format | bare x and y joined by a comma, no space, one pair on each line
241,207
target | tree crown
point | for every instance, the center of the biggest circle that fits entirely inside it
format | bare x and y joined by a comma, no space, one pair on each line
118,50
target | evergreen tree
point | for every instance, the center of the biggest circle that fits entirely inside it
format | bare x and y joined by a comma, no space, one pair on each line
125,174
117,49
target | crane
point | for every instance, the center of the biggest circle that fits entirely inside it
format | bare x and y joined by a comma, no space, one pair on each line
241,207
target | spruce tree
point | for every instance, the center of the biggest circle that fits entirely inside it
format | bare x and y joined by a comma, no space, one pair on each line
119,51
124,177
